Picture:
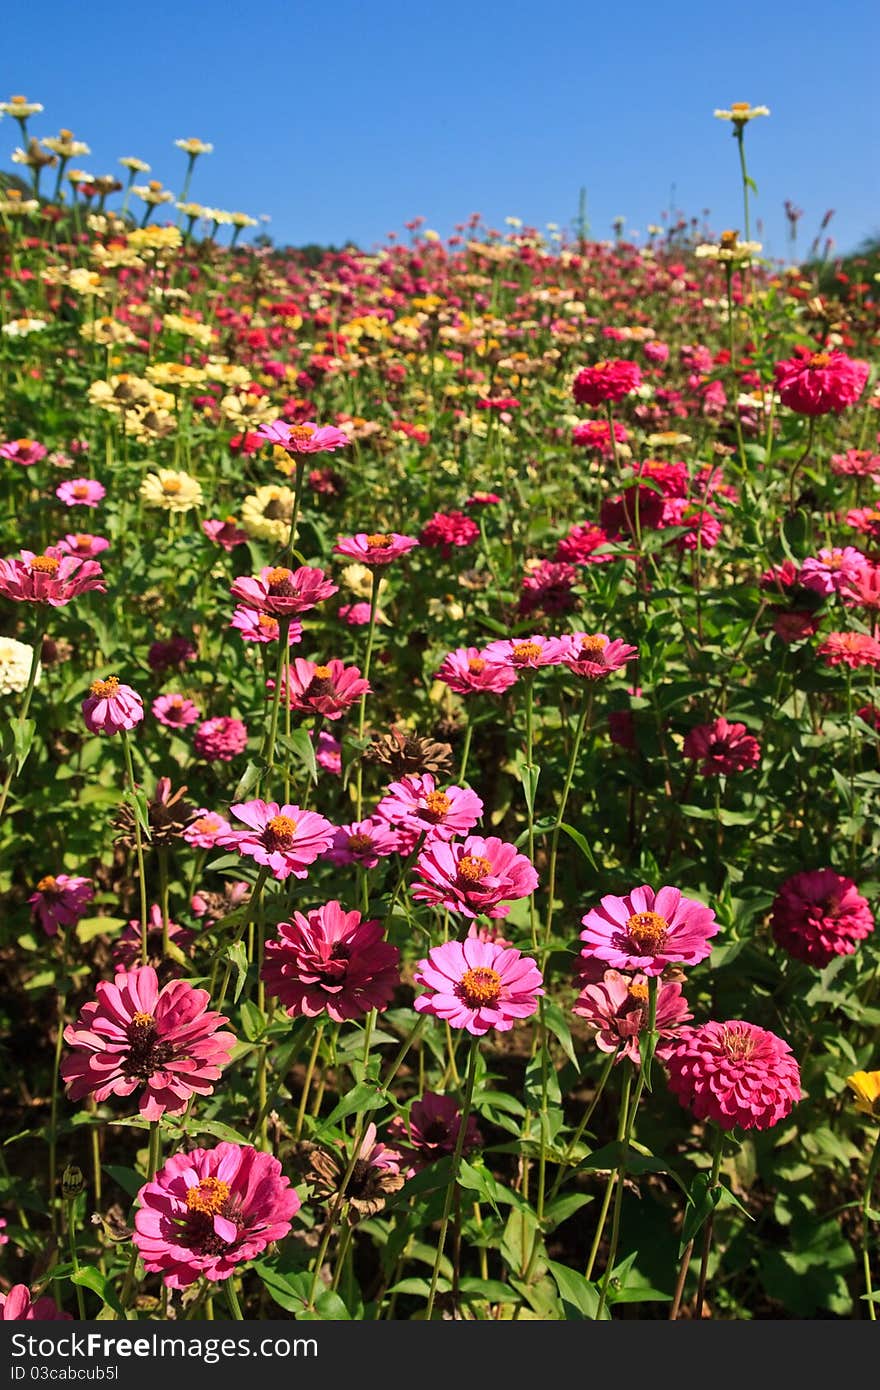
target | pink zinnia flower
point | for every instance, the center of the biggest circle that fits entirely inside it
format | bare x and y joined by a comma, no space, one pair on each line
111,707
175,652
80,492
548,588
857,463
284,838
208,1211
722,748
606,382
262,627
734,1074
832,570
136,1034
595,434
331,962
417,804
646,931
595,656
864,590
60,900
328,753
527,653
329,690
175,711
866,520
852,649
126,952
20,1305
448,529
617,1007
220,740
579,547
205,829
703,527
364,842
635,510
430,1130
226,533
475,877
282,592
467,671
307,438
81,545
375,549
819,382
27,452
819,914
52,579
478,986
355,614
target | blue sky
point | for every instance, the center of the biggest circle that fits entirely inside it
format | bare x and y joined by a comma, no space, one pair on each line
343,120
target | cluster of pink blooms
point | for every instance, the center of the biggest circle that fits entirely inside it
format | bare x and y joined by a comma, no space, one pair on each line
493,669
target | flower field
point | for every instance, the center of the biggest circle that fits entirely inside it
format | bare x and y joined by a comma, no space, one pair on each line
439,767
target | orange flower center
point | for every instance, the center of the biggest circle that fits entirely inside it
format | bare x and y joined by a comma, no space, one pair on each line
600,367
437,804
728,240
80,489
378,542
24,443
480,986
140,1020
205,824
477,664
230,521
267,622
301,433
280,832
105,690
473,867
740,106
18,101
526,651
639,992
279,580
49,884
45,564
358,844
820,359
209,1197
171,486
738,1046
592,646
322,673
647,931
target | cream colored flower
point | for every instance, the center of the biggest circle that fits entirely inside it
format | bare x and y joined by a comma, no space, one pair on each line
241,219
15,666
14,205
172,490
20,328
194,147
86,282
244,410
35,157
115,257
137,166
191,209
120,393
64,145
20,108
153,192
152,240
229,373
149,423
107,331
191,328
741,112
671,438
728,249
175,374
266,513
79,176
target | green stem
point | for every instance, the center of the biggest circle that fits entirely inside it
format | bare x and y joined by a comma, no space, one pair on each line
866,1207
232,1300
583,722
707,1237
56,1077
609,1186
588,1115
453,1176
139,848
368,657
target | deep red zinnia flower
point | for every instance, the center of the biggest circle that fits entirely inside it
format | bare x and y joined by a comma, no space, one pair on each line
819,914
606,382
332,962
722,748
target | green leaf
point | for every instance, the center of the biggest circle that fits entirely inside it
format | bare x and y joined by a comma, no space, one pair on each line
23,731
91,1278
237,957
529,773
563,1207
253,1021
129,1180
558,1024
248,780
580,1298
365,1096
300,747
581,844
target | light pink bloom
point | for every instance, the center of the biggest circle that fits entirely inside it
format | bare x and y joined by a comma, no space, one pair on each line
832,570
282,592
262,627
135,1034
374,549
307,438
419,805
175,711
205,829
81,545
80,492
19,1305
595,656
734,1074
220,740
50,578
111,707
60,900
24,451
617,1007
363,842
478,986
646,931
284,838
328,690
467,671
225,533
475,877
332,962
527,653
208,1211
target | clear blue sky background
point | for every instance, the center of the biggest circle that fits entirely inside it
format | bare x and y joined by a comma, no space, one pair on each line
342,120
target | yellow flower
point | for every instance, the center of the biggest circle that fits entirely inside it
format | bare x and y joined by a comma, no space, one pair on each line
191,328
175,374
172,490
107,331
266,513
63,144
153,192
194,146
146,239
865,1086
729,249
741,112
137,166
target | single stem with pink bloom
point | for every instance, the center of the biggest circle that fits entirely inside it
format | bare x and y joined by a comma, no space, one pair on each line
714,1193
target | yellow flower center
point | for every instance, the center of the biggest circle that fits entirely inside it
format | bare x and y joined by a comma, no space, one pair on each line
45,564
205,824
592,647
80,489
437,804
209,1197
820,359
738,1046
18,101
639,992
480,986
278,579
105,690
477,664
728,240
49,884
171,486
140,1020
267,622
280,832
25,443
647,931
526,651
473,867
740,106
301,433
378,542
322,673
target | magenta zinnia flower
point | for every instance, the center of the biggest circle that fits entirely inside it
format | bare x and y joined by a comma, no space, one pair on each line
284,838
331,962
127,949
417,804
209,1211
617,1007
363,842
60,900
476,985
820,914
646,931
595,656
175,711
852,649
50,578
430,1130
205,828
475,877
220,740
722,748
819,382
527,653
20,1305
832,570
467,671
227,533
262,627
606,382
307,438
82,545
734,1074
80,492
136,1034
376,549
111,707
281,592
329,690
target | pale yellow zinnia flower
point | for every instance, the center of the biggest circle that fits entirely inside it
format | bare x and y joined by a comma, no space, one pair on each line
266,513
172,490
